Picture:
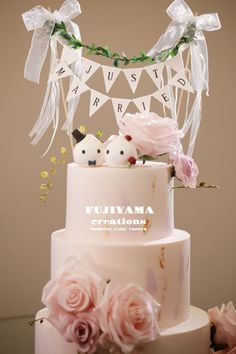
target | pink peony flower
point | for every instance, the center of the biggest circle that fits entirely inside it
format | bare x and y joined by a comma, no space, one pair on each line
73,291
225,323
186,170
151,134
128,317
85,332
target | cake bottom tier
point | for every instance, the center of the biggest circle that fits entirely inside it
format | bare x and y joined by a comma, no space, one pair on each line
191,336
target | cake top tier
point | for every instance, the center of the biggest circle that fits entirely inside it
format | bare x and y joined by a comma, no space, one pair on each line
120,204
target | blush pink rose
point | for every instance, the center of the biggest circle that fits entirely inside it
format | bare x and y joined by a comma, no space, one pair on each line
128,317
151,134
73,291
186,170
85,332
225,323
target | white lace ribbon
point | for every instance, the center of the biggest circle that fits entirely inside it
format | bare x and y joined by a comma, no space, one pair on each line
42,22
182,20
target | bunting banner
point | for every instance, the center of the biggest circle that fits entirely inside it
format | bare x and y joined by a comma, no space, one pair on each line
163,94
110,74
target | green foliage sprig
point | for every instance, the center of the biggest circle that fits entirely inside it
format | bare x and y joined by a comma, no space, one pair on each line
72,41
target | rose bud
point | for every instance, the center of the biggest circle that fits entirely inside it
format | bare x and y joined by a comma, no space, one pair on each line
132,160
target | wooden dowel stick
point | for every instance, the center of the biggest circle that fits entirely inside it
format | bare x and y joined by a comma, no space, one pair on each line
65,109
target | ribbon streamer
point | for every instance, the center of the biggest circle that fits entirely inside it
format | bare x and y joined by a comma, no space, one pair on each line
184,22
42,21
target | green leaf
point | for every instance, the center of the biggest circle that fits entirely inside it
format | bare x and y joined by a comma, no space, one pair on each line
115,55
116,63
63,26
106,52
93,46
174,51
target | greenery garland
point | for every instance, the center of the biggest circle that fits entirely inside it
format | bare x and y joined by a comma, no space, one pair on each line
72,41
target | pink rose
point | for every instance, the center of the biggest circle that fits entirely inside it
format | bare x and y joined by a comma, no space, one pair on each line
85,332
73,291
151,135
186,170
225,323
128,317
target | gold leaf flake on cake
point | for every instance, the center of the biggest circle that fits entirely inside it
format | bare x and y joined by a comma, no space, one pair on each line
153,187
162,260
147,226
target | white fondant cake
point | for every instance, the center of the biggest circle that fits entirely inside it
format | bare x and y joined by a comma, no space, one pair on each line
146,251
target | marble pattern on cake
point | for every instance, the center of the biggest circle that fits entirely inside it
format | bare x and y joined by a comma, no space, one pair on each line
183,266
162,259
164,280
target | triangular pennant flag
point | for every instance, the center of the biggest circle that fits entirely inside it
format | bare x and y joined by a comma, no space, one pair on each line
133,76
180,80
69,55
119,105
155,73
143,103
76,89
163,95
176,63
60,72
89,68
110,75
97,100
